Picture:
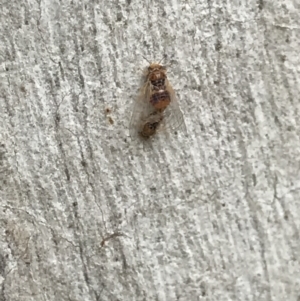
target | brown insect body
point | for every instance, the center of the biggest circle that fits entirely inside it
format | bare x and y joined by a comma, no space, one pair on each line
160,98
157,107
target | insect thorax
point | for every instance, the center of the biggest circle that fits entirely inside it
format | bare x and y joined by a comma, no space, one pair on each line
158,84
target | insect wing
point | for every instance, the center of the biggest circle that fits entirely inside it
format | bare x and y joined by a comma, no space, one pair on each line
173,116
140,111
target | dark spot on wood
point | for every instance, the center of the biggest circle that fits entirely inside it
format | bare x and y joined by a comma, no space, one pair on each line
203,289
254,179
57,119
276,120
67,174
56,81
283,58
82,84
261,4
218,45
119,17
62,49
61,70
2,265
55,240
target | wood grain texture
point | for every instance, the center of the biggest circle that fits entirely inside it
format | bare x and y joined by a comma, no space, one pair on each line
87,214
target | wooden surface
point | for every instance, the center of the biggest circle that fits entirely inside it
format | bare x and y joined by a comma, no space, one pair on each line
88,214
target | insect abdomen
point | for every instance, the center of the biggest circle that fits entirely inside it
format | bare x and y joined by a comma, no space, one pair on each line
160,100
149,129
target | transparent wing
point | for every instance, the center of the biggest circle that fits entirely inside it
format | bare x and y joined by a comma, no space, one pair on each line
173,117
140,111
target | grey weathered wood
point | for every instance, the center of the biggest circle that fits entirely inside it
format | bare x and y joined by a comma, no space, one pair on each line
87,214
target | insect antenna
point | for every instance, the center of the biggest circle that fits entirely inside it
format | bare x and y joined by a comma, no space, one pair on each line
167,65
162,59
147,60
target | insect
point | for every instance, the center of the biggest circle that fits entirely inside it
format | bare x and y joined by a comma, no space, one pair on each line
156,106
